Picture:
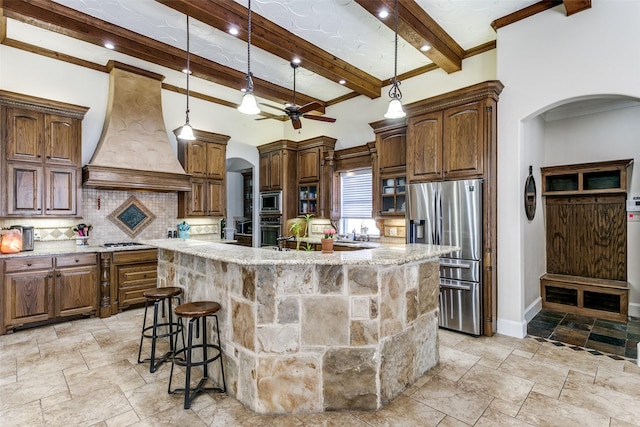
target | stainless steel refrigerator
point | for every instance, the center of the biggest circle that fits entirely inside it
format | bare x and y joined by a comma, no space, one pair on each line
450,213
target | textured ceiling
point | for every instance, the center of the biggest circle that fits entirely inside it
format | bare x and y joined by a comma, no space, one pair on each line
340,27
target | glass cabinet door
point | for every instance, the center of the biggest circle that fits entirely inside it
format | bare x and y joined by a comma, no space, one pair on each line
393,195
308,199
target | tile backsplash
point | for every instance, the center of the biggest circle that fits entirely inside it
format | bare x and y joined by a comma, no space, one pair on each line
99,204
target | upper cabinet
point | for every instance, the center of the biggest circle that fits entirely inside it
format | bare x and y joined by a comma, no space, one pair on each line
205,160
389,168
586,178
41,156
309,164
447,144
271,170
391,146
316,166
277,172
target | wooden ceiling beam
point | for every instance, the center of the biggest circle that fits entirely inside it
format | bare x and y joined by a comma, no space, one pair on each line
575,6
69,22
266,35
418,28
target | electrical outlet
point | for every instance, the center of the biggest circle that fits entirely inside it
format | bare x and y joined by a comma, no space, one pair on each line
36,235
393,231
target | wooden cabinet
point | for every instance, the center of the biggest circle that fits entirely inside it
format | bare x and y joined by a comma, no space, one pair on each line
447,144
133,273
308,199
388,169
247,191
38,289
204,159
271,170
393,200
41,157
586,178
309,165
316,170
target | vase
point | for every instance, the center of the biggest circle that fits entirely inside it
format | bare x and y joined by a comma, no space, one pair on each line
327,246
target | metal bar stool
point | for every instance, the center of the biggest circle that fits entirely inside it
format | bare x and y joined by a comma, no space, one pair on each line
197,312
160,297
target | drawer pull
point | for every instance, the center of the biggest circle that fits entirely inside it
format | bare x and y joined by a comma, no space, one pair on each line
58,275
29,264
77,260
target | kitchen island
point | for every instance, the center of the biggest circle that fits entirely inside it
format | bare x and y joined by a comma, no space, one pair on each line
312,332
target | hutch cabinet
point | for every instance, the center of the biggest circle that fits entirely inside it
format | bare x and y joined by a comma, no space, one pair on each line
315,173
586,239
205,160
41,156
389,169
38,289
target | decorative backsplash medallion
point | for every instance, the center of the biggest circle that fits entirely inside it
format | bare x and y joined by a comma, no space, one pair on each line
132,217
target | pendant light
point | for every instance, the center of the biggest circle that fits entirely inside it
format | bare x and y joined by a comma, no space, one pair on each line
395,110
249,104
186,133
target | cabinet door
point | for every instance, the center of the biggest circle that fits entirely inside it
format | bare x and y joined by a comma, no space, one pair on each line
216,161
463,141
265,172
24,189
196,158
275,170
196,197
62,140
61,190
76,291
133,280
424,136
392,150
216,199
24,135
309,165
27,297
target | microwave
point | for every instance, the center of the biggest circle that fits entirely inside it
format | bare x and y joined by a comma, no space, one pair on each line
271,202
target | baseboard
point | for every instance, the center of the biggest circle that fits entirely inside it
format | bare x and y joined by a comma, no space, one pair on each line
634,310
512,329
533,309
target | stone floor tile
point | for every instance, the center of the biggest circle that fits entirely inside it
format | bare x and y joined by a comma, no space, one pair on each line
493,418
409,410
600,399
510,390
174,416
567,358
449,421
87,409
152,398
120,373
549,376
454,363
36,366
125,419
539,410
29,414
31,389
490,352
452,399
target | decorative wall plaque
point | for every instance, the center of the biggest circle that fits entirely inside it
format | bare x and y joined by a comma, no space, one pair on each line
132,217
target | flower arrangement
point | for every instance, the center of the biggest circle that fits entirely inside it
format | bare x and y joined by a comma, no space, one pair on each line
328,233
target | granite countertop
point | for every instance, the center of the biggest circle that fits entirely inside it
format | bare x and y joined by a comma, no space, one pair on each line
382,255
347,243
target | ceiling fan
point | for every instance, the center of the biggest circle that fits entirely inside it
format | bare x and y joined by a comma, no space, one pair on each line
295,112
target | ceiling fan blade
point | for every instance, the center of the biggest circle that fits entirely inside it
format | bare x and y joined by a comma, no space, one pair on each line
310,107
319,118
297,124
275,108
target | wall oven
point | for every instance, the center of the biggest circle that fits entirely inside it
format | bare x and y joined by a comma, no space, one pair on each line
270,230
271,202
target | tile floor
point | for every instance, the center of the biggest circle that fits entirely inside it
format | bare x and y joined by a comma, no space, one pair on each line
595,335
84,373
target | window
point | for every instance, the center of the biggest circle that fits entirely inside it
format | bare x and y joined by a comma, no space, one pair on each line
356,204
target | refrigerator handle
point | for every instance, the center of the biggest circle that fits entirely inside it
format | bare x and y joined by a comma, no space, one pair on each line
438,224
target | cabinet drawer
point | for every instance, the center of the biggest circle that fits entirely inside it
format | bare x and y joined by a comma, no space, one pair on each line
27,264
138,275
76,260
128,257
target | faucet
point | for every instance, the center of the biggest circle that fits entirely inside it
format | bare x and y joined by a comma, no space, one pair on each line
354,234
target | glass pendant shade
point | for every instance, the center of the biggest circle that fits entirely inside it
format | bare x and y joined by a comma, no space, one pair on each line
249,104
186,133
395,110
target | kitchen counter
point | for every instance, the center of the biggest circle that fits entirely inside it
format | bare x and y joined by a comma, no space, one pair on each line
356,244
311,332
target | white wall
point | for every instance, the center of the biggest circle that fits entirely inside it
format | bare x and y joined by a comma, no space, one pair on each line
544,61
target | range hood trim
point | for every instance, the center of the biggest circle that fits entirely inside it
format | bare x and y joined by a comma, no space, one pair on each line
110,178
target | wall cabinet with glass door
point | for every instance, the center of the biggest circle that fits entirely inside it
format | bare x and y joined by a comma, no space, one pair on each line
393,201
247,191
42,150
205,160
308,199
315,167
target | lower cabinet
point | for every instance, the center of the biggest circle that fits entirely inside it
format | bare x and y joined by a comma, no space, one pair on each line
38,289
134,273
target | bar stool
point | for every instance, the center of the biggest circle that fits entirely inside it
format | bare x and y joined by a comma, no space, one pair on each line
160,297
197,312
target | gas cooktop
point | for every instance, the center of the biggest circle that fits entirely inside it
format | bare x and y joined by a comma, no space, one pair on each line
121,244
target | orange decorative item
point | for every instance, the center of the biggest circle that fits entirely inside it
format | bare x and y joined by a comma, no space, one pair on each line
11,242
327,246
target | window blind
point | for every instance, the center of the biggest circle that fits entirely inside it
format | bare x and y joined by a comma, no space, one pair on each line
356,194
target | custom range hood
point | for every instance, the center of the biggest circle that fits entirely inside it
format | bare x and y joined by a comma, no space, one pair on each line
134,152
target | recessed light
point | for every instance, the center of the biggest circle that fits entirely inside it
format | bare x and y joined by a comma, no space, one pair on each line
383,14
233,31
184,70
244,89
296,60
425,47
109,45
342,81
